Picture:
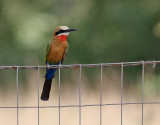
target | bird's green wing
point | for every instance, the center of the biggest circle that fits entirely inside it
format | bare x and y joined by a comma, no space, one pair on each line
47,51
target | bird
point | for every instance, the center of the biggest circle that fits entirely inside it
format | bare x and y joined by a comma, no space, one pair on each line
55,53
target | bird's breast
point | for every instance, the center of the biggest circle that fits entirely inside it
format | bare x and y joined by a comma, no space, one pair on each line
56,52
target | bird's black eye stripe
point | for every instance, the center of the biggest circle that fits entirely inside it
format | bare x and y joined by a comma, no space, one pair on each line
60,31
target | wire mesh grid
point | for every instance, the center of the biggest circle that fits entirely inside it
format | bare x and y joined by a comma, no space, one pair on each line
80,66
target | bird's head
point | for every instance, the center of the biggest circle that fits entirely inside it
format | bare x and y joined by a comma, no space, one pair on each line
62,32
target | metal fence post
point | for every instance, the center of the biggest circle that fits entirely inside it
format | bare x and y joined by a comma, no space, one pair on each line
121,92
142,87
17,97
80,72
101,94
38,91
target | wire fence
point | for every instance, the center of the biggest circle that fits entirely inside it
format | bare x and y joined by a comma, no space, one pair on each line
80,66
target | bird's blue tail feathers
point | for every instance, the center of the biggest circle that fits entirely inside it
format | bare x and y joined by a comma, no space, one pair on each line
50,72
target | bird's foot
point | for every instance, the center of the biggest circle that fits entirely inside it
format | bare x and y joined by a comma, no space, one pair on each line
76,67
48,66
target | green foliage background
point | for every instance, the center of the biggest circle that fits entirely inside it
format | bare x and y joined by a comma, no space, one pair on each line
109,30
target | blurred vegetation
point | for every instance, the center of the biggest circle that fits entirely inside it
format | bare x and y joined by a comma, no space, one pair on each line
109,31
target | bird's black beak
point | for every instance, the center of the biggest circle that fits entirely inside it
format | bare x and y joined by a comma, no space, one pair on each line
71,29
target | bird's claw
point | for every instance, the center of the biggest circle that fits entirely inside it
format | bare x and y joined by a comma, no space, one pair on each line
48,66
76,67
14,67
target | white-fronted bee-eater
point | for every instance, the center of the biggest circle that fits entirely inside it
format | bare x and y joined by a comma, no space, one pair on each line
55,53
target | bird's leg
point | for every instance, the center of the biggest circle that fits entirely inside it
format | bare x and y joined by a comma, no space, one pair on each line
60,63
48,65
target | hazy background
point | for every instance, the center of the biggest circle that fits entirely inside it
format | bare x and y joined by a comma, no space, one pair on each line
109,31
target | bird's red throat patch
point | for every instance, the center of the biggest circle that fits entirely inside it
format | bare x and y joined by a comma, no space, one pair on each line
62,38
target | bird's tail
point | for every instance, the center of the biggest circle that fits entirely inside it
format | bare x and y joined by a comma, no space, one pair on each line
46,89
47,84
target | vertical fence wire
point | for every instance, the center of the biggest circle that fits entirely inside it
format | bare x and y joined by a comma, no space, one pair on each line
121,92
59,94
17,97
101,94
80,79
142,87
38,91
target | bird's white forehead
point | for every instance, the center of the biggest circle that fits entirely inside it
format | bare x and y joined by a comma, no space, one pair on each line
63,27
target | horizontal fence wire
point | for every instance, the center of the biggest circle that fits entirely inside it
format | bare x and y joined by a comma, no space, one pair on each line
90,105
125,64
80,66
